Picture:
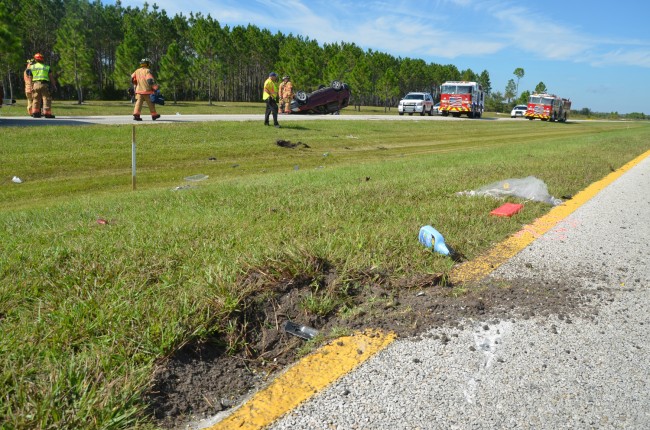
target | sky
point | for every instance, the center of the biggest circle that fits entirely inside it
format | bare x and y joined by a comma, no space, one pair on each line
587,51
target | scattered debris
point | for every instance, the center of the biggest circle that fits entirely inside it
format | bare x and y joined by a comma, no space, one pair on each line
182,187
301,331
431,238
508,209
212,158
16,180
530,188
287,144
102,221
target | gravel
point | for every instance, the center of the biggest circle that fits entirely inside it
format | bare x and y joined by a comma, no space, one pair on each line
582,370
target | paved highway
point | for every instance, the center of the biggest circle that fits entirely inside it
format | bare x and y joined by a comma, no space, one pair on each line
176,119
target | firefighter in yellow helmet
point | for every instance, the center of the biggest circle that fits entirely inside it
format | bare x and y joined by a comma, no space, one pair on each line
28,86
286,94
41,79
145,85
270,96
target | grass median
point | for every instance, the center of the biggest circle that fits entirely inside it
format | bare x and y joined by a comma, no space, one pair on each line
98,282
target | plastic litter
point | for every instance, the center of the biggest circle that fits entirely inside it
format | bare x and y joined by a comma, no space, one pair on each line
529,188
301,331
196,178
508,209
181,187
16,180
431,238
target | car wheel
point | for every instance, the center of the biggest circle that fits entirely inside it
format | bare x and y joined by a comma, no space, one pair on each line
424,110
301,96
431,111
401,113
337,85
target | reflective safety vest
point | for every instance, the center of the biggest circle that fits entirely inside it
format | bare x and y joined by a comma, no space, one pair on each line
270,89
40,72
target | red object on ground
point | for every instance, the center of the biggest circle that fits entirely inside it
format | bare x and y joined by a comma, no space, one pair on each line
508,209
102,221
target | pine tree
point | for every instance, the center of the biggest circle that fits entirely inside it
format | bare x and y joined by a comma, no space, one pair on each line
127,56
9,47
173,69
75,57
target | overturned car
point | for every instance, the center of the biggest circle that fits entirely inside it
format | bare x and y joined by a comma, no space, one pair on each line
325,100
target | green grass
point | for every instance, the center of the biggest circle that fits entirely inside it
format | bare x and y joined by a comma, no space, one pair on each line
87,309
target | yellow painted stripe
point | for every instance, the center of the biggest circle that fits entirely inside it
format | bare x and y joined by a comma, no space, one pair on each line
480,267
306,378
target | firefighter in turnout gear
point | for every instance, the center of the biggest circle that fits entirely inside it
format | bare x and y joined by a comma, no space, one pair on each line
41,79
145,85
286,94
280,91
270,96
28,86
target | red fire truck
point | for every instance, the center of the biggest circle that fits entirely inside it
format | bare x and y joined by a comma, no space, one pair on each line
548,107
461,97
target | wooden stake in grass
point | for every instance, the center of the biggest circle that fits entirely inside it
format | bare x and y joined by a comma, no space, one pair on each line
133,159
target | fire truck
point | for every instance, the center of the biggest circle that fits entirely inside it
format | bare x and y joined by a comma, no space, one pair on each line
548,107
462,97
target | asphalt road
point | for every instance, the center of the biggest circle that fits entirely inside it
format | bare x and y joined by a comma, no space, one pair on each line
176,119
540,373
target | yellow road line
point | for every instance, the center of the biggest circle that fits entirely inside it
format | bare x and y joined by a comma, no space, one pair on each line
474,270
305,379
318,370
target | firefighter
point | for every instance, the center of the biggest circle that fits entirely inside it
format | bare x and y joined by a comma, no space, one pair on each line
28,86
286,93
41,80
145,85
270,96
280,92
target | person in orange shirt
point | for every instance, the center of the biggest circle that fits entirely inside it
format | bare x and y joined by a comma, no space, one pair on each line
145,85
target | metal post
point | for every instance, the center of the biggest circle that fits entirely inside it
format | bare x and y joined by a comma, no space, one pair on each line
133,159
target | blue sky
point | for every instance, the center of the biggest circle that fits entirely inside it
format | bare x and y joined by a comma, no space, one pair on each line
595,53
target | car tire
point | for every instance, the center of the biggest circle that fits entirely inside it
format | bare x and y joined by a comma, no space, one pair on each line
431,111
302,97
401,113
337,85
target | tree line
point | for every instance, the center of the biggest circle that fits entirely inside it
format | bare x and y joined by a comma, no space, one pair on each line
93,48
